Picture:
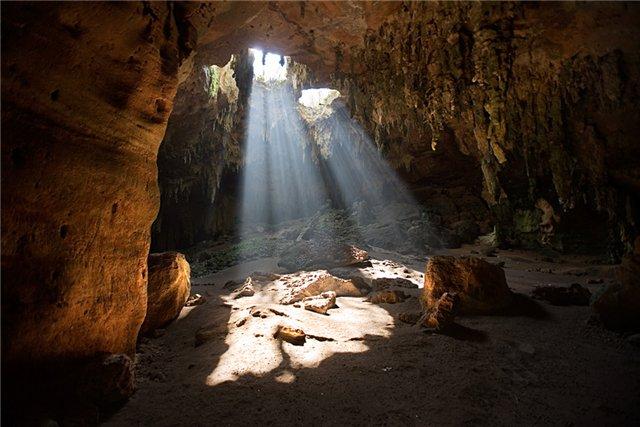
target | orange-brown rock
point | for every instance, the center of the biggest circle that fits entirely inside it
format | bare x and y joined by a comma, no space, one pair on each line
480,286
168,289
86,94
290,335
387,297
442,313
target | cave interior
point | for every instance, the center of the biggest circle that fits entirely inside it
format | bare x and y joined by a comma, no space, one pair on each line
327,213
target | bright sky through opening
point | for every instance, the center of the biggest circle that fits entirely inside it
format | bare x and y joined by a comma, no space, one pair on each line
273,69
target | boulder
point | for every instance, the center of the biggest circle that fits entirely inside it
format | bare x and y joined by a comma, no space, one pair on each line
321,254
382,283
320,303
195,299
575,294
168,289
481,287
246,290
290,335
313,283
618,305
387,297
442,313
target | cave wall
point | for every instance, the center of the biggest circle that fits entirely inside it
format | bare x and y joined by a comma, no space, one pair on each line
85,102
200,155
543,98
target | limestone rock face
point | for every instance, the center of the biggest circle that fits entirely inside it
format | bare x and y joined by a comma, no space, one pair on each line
168,290
86,94
316,254
481,287
314,283
618,306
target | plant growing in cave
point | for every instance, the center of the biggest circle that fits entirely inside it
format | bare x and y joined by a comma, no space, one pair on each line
213,78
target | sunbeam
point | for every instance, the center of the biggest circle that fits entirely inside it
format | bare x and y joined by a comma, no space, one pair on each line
304,154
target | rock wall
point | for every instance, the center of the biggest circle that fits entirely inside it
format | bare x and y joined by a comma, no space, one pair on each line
200,153
543,98
85,102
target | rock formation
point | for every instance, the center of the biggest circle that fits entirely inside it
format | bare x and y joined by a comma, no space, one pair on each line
168,289
480,287
518,117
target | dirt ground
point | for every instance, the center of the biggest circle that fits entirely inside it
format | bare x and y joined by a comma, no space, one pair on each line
539,364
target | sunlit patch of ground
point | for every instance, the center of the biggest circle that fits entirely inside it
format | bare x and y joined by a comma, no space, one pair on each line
549,368
252,349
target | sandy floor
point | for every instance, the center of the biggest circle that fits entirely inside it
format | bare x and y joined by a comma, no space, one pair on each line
540,364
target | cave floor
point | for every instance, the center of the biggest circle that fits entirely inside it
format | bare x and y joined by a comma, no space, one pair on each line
540,364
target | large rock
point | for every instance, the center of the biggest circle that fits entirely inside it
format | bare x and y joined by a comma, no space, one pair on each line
309,284
320,303
480,286
618,306
442,314
320,254
168,289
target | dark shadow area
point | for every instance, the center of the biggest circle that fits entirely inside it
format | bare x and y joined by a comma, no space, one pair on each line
464,333
524,305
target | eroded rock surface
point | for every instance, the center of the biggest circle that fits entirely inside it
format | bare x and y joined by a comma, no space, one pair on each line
480,286
320,303
168,289
309,284
317,254
442,314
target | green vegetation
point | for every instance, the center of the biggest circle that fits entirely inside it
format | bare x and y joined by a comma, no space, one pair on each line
213,74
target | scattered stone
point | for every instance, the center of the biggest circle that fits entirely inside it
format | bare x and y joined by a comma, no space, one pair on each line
277,312
527,348
574,294
308,284
246,290
259,312
167,290
480,286
319,338
441,314
194,300
317,254
320,303
389,282
290,335
387,297
242,321
410,318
